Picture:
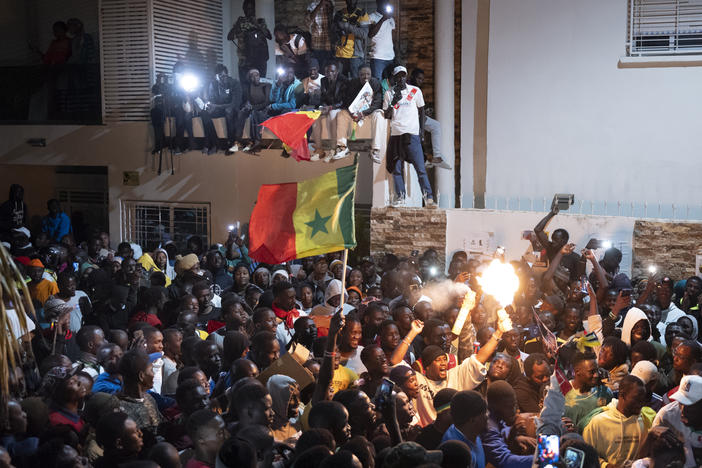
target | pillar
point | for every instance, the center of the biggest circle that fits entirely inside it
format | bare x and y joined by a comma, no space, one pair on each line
444,80
266,9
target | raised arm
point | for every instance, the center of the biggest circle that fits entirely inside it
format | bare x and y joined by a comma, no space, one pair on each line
401,350
547,280
599,272
539,229
326,371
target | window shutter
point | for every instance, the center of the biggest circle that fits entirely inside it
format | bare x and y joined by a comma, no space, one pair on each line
125,50
190,31
665,27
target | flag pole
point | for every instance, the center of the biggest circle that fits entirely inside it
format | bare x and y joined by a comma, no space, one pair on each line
343,279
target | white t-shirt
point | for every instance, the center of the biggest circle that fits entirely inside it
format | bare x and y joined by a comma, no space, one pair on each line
405,118
300,49
169,367
354,362
76,315
381,43
669,416
468,375
14,324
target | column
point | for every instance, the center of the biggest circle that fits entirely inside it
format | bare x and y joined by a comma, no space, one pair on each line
266,9
444,80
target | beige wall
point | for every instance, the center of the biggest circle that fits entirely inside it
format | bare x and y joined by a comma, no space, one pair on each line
229,183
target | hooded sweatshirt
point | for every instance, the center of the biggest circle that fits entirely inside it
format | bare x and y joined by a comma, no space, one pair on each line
615,437
280,387
149,265
333,289
633,316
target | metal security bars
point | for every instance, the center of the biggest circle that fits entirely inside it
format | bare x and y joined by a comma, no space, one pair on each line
151,224
664,27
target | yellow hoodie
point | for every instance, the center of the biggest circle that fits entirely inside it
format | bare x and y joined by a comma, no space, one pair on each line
616,437
149,265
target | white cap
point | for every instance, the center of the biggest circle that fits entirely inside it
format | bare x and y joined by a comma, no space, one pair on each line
646,371
23,230
398,69
690,390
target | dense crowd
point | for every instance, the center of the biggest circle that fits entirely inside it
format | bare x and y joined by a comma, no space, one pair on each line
342,63
200,357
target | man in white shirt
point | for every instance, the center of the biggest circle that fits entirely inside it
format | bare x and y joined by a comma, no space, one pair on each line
687,406
72,297
382,25
404,106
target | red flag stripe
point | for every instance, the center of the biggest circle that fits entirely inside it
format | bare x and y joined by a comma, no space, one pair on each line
271,229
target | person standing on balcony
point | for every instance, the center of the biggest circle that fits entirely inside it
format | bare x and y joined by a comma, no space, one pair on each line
251,36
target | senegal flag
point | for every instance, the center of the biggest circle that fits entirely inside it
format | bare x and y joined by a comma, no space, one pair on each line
305,218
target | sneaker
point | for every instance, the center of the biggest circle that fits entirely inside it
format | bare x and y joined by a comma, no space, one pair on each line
247,148
341,152
429,203
399,201
205,150
234,148
315,157
428,164
284,154
439,162
211,151
375,155
177,152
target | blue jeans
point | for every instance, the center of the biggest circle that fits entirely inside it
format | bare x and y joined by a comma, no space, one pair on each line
377,67
416,158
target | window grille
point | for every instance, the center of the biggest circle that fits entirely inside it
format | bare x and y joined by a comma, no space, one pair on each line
664,27
151,224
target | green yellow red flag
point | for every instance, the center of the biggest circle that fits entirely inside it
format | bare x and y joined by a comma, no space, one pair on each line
301,219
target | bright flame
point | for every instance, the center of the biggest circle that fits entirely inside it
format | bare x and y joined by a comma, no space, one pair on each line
500,281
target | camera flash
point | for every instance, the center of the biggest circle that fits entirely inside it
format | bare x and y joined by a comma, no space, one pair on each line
652,269
388,8
230,227
280,70
433,271
607,244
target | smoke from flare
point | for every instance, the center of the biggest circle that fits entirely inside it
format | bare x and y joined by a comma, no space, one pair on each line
500,281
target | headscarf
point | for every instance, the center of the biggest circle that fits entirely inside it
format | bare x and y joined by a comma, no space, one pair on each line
185,263
253,276
280,272
149,264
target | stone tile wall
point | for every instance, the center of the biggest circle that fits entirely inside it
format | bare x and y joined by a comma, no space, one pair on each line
670,246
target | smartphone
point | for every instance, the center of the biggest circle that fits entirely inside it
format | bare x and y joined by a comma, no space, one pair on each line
548,450
574,458
384,393
626,292
414,253
583,285
594,244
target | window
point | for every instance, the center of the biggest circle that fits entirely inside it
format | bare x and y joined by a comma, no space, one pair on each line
151,224
664,27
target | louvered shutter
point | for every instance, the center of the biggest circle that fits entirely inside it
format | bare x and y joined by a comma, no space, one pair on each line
125,46
188,30
665,27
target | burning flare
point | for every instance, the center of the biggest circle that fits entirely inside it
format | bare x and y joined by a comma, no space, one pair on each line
500,281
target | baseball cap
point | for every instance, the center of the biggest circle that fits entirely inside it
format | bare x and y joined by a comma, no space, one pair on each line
25,231
411,454
398,69
690,390
645,370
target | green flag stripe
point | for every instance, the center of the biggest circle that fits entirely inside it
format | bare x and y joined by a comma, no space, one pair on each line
346,184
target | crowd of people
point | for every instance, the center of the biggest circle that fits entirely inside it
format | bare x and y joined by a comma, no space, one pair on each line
340,56
155,355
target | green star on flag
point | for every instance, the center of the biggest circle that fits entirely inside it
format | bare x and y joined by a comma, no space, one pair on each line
318,224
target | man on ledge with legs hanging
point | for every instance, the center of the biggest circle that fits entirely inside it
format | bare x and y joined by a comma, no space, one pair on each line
404,106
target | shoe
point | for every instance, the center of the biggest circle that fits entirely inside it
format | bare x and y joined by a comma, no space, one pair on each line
247,148
177,152
341,152
439,162
428,164
205,151
315,157
284,154
234,148
399,201
328,155
211,151
375,155
429,203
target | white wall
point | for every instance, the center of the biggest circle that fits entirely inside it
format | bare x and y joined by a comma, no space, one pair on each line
505,228
562,117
